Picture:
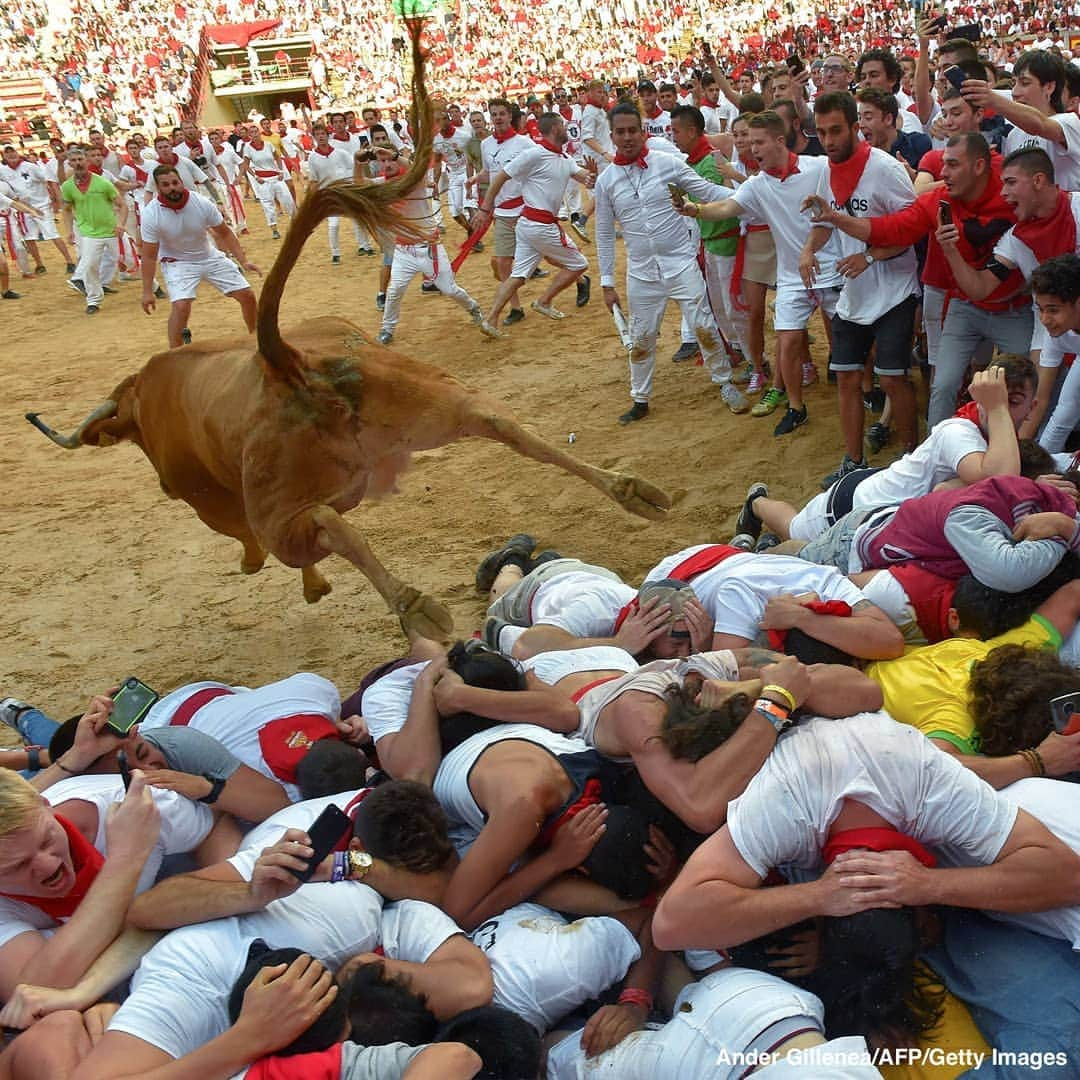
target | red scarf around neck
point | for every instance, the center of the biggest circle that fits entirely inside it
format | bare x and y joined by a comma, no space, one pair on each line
175,207
844,178
654,115
702,149
789,167
839,608
750,164
558,150
170,157
506,135
1053,235
567,112
325,151
341,138
87,861
879,839
970,411
640,160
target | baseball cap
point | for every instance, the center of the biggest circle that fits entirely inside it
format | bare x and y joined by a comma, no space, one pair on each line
670,591
646,84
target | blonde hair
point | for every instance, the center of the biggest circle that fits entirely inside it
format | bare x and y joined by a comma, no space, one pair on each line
18,801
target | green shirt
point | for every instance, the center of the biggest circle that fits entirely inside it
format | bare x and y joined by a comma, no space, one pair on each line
94,212
713,232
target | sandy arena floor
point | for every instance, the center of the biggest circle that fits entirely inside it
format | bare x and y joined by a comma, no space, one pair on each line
105,577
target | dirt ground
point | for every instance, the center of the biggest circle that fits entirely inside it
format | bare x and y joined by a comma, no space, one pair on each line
105,577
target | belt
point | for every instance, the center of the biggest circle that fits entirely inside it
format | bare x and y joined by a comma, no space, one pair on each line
545,217
512,204
266,174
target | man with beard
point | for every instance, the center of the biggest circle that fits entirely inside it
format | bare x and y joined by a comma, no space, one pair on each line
176,228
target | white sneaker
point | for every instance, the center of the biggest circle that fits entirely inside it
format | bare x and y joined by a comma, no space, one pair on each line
491,331
125,276
733,398
476,314
385,337
546,309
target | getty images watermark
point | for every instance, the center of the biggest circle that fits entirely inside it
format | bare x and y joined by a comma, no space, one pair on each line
825,1057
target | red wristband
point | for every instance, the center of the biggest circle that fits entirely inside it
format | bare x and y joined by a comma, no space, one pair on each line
641,998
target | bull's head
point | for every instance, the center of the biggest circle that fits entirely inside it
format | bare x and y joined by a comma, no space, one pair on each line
110,422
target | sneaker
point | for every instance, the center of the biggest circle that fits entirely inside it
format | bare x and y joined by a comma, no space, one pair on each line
638,411
748,523
125,276
874,400
275,234
39,270
584,290
688,350
768,540
809,373
92,309
477,248
579,225
515,316
489,330
476,314
848,465
791,420
185,335
367,251
380,301
159,293
733,399
11,294
385,337
335,259
539,273
545,556
10,709
108,291
770,401
77,285
429,288
877,437
742,374
742,541
547,309
519,546
756,383
70,268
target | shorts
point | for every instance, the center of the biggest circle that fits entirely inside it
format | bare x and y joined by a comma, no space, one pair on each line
42,228
505,236
795,305
759,262
891,333
183,278
536,241
826,508
833,546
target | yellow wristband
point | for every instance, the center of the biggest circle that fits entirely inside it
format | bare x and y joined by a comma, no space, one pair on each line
786,694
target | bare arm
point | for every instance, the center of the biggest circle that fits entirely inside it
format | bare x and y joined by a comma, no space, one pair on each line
538,704
1048,376
456,977
924,100
492,193
226,239
215,892
414,752
1002,455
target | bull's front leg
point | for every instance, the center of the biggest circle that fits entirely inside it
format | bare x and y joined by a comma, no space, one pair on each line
418,613
315,585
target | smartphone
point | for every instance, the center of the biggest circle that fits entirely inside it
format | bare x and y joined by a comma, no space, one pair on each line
1065,711
938,24
678,196
945,211
794,64
125,769
326,832
956,76
972,31
131,703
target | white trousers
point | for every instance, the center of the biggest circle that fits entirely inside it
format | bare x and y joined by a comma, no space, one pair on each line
333,228
269,190
430,260
732,322
97,264
14,239
648,301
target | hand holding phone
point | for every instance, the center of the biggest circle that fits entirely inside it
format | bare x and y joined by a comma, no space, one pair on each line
327,831
956,76
945,213
125,769
131,703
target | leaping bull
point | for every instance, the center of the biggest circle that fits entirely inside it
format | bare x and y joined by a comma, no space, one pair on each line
271,447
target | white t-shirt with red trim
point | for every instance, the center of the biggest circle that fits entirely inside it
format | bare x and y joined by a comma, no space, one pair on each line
543,177
327,168
181,234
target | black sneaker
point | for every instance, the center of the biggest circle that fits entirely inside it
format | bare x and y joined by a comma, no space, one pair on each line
11,294
159,292
92,309
39,270
792,419
877,437
77,285
515,316
429,287
545,556
584,290
380,301
106,289
768,540
748,522
517,549
688,350
638,411
185,336
848,465
70,268
874,400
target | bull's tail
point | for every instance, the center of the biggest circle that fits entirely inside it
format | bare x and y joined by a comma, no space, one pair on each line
372,205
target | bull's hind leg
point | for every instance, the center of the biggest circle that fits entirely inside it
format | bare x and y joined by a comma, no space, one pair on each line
631,492
418,613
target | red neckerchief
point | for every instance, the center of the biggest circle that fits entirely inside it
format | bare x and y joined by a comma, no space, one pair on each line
350,811
701,150
567,112
84,186
140,173
750,164
778,638
97,170
1053,235
591,794
165,160
789,168
844,177
446,133
639,160
325,151
503,138
175,207
879,839
557,150
970,411
654,115
87,861
257,145
341,138
194,145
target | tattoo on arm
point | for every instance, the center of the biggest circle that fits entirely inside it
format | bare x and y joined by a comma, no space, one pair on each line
755,658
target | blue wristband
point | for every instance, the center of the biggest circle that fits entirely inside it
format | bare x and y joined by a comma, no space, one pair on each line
340,866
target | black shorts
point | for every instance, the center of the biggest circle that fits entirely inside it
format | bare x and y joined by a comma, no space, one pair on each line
892,334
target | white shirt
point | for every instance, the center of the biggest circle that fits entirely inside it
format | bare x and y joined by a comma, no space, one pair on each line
883,188
543,177
545,967
385,704
783,817
453,149
660,243
1011,249
595,125
189,172
1066,158
184,825
777,202
202,155
181,234
229,160
264,163
496,156
29,182
714,114
326,168
573,130
736,591
582,604
659,126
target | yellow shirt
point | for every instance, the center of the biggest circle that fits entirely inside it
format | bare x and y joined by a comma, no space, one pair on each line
956,1032
928,687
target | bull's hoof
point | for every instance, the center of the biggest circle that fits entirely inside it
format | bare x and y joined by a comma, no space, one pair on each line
315,585
423,615
642,498
251,567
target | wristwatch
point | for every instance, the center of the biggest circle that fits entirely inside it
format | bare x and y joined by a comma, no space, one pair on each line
359,863
869,258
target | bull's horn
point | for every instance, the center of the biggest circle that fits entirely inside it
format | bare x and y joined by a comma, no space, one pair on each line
74,440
